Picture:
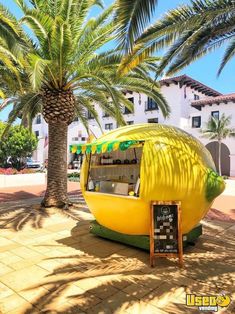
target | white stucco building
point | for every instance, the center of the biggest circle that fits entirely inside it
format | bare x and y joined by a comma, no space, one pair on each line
201,111
191,103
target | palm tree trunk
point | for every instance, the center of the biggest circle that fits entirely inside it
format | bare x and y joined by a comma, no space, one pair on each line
219,157
56,192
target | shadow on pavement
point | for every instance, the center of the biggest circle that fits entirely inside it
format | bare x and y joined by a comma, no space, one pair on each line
107,277
18,217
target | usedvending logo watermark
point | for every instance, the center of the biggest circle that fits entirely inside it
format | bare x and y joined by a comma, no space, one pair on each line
208,302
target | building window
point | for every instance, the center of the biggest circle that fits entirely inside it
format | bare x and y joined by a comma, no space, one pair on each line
196,97
75,119
215,114
83,139
108,126
196,122
105,114
127,111
38,119
89,115
153,120
151,104
75,139
130,122
36,133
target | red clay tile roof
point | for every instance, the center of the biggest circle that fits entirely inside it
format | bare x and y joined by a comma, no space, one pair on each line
188,81
214,100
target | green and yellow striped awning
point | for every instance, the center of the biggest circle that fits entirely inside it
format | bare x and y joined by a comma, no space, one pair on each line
98,147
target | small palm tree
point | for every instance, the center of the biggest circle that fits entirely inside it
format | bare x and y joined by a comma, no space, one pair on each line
218,129
61,71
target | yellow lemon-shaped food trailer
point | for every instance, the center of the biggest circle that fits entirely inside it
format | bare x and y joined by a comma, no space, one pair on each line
127,168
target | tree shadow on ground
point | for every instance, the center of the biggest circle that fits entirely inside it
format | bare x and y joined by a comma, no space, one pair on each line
105,277
18,217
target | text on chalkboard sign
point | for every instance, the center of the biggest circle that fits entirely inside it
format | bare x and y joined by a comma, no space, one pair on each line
165,228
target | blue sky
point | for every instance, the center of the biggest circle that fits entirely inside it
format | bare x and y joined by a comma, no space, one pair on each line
203,70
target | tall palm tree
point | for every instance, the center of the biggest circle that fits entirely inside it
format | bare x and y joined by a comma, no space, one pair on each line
62,72
219,130
190,31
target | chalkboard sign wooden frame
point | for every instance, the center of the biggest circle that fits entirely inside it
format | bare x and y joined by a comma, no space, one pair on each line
173,208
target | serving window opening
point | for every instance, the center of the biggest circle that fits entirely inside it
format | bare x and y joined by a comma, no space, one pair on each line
117,172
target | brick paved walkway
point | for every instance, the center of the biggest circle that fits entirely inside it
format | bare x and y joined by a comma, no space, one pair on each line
50,263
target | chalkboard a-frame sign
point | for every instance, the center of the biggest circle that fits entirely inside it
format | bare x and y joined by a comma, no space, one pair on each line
165,230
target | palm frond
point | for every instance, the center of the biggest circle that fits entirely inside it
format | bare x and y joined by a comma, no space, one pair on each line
188,32
131,19
37,70
81,113
10,30
89,107
2,95
229,54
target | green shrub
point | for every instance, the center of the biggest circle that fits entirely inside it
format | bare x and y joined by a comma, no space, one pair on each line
74,176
